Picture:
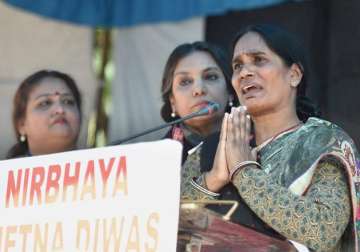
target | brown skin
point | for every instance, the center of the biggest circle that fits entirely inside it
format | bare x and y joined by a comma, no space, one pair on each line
267,87
197,81
52,120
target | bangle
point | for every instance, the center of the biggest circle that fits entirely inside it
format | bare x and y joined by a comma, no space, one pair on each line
242,164
198,182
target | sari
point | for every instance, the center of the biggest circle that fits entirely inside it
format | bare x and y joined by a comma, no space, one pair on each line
308,177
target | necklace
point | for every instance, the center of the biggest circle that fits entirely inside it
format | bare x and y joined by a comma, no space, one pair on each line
276,136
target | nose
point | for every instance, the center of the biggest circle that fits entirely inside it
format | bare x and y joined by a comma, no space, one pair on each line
199,87
59,108
246,72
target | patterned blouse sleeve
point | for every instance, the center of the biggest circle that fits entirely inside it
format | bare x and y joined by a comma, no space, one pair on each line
317,219
190,170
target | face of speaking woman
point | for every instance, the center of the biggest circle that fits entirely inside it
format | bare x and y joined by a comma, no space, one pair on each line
198,81
261,79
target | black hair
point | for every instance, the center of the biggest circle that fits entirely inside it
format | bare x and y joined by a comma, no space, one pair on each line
291,50
21,98
182,51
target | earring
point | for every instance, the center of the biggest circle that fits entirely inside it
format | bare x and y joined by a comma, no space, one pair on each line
173,115
293,83
231,103
22,138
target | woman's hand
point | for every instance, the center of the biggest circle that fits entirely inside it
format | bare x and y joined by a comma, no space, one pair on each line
233,148
219,174
238,138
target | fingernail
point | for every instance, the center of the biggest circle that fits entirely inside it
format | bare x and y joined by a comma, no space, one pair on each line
242,109
248,117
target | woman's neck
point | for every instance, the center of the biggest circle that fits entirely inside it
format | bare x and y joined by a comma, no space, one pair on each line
51,149
269,125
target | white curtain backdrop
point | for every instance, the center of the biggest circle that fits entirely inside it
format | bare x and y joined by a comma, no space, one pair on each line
29,43
140,57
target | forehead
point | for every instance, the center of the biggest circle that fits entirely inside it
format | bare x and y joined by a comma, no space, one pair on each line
50,86
249,43
197,60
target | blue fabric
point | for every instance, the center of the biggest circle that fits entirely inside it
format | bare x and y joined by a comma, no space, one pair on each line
119,13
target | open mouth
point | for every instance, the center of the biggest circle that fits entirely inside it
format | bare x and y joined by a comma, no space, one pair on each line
60,121
250,88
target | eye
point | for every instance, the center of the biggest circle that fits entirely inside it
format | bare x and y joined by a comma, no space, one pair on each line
68,101
44,104
212,76
259,60
237,66
185,82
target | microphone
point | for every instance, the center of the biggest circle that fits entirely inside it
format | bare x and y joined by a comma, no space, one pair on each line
208,110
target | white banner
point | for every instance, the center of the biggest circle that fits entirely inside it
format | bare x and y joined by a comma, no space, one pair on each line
122,198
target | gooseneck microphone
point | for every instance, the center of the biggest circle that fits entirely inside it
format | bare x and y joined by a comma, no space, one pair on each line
208,110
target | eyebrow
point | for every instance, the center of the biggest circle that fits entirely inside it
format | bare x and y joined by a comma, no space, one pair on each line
205,70
249,53
47,95
211,69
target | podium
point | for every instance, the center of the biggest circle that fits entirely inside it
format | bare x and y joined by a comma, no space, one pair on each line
202,230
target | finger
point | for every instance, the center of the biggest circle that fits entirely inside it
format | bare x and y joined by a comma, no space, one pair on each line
223,132
248,129
230,125
254,153
236,123
242,122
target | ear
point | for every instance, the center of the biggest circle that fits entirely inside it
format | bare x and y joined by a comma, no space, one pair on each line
172,102
231,99
296,75
21,127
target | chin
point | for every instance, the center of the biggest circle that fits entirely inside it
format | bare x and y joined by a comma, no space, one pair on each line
63,132
255,108
203,122
205,119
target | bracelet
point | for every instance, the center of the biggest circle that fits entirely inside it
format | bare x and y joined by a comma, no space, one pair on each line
197,182
242,164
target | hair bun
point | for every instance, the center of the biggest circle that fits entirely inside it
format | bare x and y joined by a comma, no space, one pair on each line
305,108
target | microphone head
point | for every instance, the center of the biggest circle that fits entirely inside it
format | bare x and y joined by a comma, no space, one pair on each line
211,108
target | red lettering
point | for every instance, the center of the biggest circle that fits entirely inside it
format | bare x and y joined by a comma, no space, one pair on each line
53,177
71,181
89,177
26,182
105,173
35,188
121,178
13,188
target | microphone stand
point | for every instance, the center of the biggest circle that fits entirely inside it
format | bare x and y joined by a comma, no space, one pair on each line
207,110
